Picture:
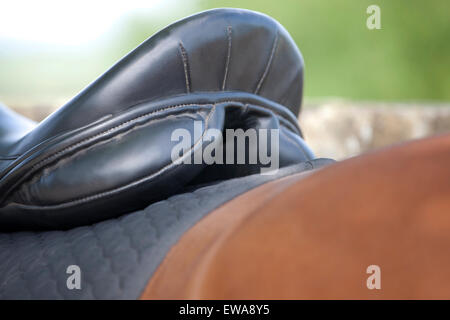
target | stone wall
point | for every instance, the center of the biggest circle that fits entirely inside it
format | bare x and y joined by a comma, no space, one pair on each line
341,129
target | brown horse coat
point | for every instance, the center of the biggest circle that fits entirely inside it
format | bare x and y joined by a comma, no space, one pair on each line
312,236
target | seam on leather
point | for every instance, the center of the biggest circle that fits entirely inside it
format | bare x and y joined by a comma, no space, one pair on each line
280,117
86,140
187,73
37,167
40,173
227,63
73,146
54,166
269,63
112,191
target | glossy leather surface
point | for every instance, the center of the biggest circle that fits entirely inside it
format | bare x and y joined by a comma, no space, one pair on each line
108,150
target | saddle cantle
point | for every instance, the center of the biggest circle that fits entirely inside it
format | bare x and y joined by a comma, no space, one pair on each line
108,150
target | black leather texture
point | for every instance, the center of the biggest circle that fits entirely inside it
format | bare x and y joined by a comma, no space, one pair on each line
108,150
118,256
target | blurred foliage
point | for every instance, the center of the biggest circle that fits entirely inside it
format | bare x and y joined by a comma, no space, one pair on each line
408,59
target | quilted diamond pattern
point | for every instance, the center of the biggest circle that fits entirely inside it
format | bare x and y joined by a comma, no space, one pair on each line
117,256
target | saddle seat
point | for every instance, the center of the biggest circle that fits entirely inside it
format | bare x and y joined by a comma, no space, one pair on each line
108,150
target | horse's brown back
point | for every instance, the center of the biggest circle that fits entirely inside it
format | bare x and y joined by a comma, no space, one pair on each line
313,236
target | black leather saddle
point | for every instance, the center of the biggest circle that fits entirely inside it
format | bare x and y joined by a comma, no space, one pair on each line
95,185
108,150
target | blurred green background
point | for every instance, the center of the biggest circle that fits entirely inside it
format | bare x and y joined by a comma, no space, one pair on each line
408,59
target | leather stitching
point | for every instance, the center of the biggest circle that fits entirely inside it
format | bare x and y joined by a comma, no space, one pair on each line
123,124
74,146
52,157
87,140
269,63
227,63
109,192
187,73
